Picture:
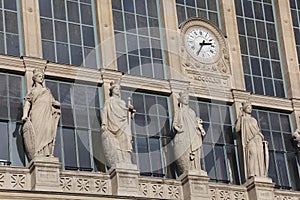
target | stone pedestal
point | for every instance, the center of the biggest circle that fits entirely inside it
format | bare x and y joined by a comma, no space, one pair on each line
195,185
261,188
44,173
124,179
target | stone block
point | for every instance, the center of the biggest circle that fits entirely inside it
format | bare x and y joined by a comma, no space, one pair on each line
260,188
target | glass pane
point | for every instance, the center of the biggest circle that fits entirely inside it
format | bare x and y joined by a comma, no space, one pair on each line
69,149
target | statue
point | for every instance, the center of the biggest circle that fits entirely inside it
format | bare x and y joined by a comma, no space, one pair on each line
255,149
40,115
116,128
188,136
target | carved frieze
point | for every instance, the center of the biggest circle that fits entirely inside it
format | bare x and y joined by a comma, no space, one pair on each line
18,181
101,186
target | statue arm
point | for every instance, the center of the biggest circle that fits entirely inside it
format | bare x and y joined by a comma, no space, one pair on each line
200,126
238,122
104,118
26,110
177,127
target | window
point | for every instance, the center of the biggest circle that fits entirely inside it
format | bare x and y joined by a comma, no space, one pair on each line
11,143
219,148
283,167
78,136
259,48
208,9
151,129
9,27
68,32
295,11
138,38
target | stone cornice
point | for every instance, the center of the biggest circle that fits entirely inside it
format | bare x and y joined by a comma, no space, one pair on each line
296,104
11,63
177,86
211,93
109,75
74,73
31,63
147,84
271,102
240,95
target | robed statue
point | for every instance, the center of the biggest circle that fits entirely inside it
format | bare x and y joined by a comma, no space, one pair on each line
40,115
188,136
116,128
255,148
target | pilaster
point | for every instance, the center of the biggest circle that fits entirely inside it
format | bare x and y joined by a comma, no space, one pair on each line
171,38
44,173
106,34
260,188
31,28
288,48
195,185
230,29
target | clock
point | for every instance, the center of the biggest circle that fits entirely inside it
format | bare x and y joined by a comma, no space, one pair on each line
202,44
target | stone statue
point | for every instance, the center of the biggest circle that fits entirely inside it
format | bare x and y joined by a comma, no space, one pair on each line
41,114
116,128
188,136
255,149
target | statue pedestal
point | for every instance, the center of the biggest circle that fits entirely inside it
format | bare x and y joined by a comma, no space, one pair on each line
44,173
124,179
195,185
260,188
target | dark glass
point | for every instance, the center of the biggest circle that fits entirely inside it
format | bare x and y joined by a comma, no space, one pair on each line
61,31
69,148
3,85
243,44
255,66
279,88
266,68
180,2
12,42
263,120
90,58
204,112
152,8
295,18
263,48
163,102
150,101
11,22
138,102
261,31
79,95
76,55
241,25
277,138
234,176
212,5
144,46
62,53
65,93
250,27
86,14
134,65
153,126
75,34
4,154
293,170
130,22
67,115
1,20
53,86
180,13
285,123
272,171
293,4
217,134
274,50
128,6
140,124
191,12
289,142
3,108
209,161
257,7
10,5
271,31
45,8
14,86
267,137
213,17
158,68
215,114
227,131
248,83
274,119
140,7
276,68
201,4
282,169
95,118
46,29
238,8
258,87
220,163
202,13
57,147
117,4
252,45
88,35
143,156
59,9
92,96
191,3
156,49
120,42
84,150
122,63
248,9
225,115
73,12
48,51
154,27
118,22
142,25
269,13
269,87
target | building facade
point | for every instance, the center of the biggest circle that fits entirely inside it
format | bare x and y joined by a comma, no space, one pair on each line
83,45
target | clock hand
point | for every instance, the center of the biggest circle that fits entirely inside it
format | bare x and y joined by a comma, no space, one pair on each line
201,45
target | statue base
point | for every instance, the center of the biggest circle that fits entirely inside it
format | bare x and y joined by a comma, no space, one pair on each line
195,185
44,173
124,179
260,188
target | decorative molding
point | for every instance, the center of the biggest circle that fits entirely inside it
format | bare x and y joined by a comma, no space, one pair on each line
218,191
65,183
101,186
271,102
211,92
1,180
18,181
83,185
11,63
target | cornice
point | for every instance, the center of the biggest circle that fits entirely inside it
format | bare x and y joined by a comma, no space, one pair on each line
11,63
271,102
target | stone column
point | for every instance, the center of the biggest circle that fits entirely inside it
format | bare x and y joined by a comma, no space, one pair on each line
44,173
260,188
288,48
230,29
171,38
124,179
31,28
195,185
106,37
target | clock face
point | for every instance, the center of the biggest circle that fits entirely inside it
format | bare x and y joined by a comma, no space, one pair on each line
202,44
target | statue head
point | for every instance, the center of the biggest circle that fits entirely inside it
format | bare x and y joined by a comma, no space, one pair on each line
38,76
247,106
184,97
114,88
